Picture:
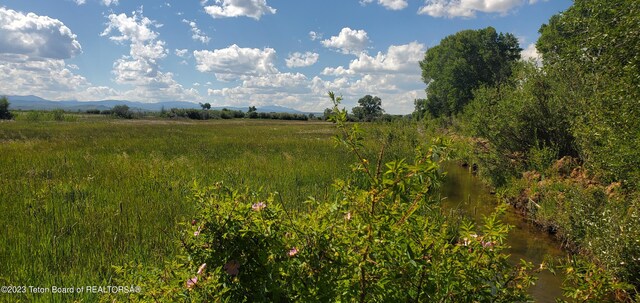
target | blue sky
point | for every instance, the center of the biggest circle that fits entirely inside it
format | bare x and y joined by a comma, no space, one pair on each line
241,52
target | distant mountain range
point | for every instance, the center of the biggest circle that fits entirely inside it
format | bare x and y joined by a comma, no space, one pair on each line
37,103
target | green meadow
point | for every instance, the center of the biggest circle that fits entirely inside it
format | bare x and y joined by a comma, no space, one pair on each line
82,195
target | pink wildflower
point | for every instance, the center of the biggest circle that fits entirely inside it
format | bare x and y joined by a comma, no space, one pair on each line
192,282
488,244
202,268
292,252
258,206
197,232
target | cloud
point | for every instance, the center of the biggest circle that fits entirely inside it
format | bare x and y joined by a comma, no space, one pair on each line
348,41
531,53
79,2
302,59
37,37
32,53
469,8
110,2
393,75
394,4
197,34
48,77
140,68
239,8
399,59
130,28
388,4
182,53
233,62
285,89
314,36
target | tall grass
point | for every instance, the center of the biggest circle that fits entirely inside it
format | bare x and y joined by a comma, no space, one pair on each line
78,197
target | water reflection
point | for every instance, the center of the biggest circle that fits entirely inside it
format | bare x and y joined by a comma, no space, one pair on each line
464,192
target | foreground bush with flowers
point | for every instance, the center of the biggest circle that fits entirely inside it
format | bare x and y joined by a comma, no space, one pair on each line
383,238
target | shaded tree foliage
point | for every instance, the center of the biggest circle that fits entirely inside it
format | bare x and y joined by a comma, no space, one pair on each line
591,52
205,106
463,62
5,114
521,118
421,109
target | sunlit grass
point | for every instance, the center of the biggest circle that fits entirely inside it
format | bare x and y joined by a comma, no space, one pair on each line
79,197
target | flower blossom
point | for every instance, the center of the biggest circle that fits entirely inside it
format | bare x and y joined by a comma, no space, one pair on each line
258,206
202,268
292,252
197,232
192,282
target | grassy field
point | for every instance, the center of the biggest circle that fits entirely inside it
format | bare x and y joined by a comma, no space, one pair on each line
78,197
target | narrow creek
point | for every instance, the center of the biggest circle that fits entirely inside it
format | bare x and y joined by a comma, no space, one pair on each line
467,193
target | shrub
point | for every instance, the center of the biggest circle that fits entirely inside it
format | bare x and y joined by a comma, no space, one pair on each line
383,238
5,114
58,115
122,111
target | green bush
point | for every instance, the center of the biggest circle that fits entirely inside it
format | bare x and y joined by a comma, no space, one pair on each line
527,126
603,89
5,114
58,115
383,238
122,111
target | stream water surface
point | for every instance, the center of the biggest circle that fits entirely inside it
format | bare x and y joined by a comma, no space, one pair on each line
465,192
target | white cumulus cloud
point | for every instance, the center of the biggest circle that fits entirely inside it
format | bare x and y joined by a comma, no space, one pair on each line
133,28
398,59
393,75
38,37
239,8
140,68
469,8
234,61
110,2
33,50
388,4
182,53
302,59
348,41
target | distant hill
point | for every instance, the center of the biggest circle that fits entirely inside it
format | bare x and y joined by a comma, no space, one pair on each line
37,103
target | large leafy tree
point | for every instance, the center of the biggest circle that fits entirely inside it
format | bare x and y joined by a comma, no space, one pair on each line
464,62
369,108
